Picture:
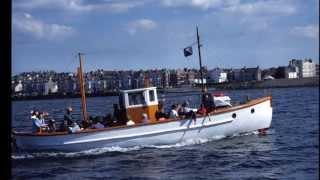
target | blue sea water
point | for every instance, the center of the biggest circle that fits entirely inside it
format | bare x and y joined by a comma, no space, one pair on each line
290,150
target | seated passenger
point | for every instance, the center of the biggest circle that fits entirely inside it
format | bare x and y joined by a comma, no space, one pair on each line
52,125
74,128
145,118
202,110
160,114
41,117
37,125
185,110
174,111
97,125
130,122
208,101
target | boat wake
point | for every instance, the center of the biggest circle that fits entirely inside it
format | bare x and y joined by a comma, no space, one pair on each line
100,151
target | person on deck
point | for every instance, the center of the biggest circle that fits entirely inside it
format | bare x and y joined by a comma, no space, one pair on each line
96,124
186,110
37,124
160,113
208,101
145,118
52,125
202,110
74,128
130,122
68,119
174,111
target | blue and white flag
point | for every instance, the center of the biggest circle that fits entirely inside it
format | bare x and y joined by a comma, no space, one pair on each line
187,51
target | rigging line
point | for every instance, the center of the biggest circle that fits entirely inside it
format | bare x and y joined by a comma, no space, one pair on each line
71,60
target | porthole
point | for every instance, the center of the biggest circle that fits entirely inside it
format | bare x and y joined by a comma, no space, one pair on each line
252,110
234,115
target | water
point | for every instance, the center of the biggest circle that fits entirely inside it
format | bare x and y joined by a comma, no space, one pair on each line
290,150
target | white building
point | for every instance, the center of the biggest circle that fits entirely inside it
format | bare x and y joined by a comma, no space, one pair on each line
291,72
18,88
51,87
218,75
292,75
305,68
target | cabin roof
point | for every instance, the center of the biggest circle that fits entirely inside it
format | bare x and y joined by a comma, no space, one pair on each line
137,90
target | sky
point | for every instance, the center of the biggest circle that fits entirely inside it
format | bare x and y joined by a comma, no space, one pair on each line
151,34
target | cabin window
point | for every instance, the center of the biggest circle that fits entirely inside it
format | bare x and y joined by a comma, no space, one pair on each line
136,98
151,96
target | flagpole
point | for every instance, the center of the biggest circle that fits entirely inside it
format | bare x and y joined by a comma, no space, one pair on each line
199,52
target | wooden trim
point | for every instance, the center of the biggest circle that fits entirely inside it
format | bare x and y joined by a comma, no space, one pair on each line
219,111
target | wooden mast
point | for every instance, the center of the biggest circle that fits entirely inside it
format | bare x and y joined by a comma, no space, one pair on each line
82,91
199,52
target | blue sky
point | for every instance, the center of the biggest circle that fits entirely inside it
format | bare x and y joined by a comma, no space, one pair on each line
149,34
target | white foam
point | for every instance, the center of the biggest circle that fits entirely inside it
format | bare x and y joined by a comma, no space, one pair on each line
96,151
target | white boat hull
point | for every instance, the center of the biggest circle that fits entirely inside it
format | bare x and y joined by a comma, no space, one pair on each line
166,133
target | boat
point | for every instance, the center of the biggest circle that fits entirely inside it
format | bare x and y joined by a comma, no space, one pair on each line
223,120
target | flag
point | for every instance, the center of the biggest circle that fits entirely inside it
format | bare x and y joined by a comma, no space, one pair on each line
187,51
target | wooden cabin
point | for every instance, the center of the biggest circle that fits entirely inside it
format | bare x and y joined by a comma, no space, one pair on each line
139,101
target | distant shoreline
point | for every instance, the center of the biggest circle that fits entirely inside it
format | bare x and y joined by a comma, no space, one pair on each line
267,84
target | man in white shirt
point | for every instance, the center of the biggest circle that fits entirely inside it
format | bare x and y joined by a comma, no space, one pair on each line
174,112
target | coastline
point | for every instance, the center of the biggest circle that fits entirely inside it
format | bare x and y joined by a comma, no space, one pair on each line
275,83
266,84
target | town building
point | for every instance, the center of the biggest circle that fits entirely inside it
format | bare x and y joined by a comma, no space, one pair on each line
305,68
244,74
50,87
217,75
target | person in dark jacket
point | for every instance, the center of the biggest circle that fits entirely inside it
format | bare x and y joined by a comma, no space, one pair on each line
68,120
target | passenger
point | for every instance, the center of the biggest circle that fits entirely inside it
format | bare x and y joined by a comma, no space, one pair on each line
208,101
52,125
37,125
68,119
41,117
145,118
130,122
97,125
34,114
160,114
185,110
202,110
74,128
174,111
